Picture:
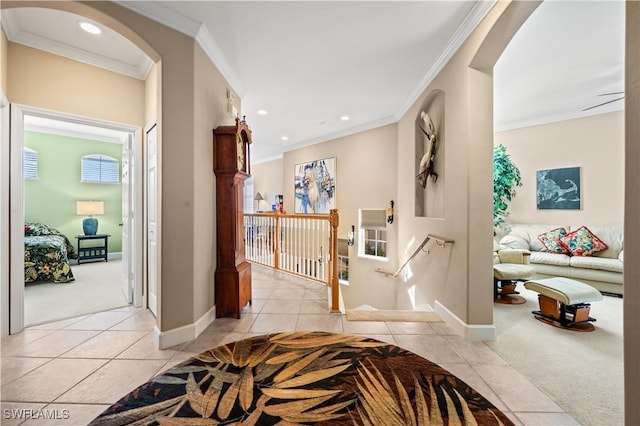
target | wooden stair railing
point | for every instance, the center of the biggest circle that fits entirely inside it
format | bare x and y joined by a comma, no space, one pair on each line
299,244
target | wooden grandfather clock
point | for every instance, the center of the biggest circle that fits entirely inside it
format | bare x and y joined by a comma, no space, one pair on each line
231,167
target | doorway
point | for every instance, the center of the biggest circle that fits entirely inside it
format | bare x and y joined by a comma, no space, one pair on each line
126,282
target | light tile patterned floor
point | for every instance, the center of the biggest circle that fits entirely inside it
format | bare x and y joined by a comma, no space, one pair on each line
72,370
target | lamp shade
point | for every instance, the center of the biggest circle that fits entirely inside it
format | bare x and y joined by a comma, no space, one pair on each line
258,197
88,208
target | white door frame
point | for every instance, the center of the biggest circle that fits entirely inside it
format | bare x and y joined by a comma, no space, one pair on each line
4,215
15,306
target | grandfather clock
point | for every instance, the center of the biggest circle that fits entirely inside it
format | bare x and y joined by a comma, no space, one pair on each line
231,167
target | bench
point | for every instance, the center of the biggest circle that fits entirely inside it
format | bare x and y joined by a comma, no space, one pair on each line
564,300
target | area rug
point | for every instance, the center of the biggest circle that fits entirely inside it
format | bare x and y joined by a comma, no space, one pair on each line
304,378
391,315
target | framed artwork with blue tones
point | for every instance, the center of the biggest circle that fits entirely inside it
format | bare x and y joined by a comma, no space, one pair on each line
315,186
558,189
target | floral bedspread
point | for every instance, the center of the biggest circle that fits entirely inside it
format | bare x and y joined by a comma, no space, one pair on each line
46,254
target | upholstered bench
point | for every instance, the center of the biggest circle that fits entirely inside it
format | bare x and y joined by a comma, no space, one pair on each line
564,300
509,267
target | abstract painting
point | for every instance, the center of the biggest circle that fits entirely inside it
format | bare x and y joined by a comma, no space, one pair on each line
558,189
315,186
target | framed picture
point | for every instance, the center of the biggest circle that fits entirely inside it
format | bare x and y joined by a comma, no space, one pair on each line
315,186
558,189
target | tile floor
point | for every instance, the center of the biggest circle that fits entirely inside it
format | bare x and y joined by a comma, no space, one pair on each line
70,371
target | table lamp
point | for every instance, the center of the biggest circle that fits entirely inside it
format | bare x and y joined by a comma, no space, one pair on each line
89,208
258,198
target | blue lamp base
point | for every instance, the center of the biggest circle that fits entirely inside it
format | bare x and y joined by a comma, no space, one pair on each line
90,226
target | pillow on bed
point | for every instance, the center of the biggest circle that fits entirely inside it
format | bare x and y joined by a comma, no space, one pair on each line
551,241
583,242
35,229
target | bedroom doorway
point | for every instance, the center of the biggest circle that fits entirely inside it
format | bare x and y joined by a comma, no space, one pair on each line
120,278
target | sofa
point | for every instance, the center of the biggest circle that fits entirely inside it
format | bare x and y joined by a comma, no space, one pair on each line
590,254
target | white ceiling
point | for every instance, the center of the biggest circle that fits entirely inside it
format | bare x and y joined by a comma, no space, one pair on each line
309,63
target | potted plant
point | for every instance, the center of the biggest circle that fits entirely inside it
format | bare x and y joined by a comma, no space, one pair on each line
506,177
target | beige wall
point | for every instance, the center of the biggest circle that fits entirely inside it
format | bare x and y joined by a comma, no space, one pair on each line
457,277
210,112
632,224
596,144
40,79
181,112
3,62
268,182
186,133
362,182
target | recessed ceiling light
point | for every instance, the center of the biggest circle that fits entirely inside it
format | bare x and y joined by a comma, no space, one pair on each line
285,138
90,28
262,111
344,118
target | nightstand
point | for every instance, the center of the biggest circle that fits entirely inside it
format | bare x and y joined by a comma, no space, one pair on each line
97,250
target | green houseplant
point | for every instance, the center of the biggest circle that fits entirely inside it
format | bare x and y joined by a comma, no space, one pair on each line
506,177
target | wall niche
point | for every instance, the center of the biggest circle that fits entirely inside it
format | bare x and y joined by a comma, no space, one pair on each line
429,200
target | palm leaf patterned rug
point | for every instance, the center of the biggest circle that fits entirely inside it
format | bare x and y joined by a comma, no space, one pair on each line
304,378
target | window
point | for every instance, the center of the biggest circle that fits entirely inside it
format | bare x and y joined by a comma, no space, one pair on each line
100,169
343,260
248,195
373,233
30,164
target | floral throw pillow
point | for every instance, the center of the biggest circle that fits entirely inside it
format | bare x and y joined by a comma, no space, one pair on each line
551,241
582,242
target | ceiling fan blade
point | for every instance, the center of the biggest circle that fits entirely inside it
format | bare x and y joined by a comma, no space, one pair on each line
610,94
604,103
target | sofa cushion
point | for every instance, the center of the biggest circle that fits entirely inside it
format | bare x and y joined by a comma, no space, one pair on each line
590,262
551,240
514,241
582,242
544,258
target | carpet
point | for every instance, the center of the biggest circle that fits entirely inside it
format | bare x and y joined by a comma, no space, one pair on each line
304,378
97,288
372,314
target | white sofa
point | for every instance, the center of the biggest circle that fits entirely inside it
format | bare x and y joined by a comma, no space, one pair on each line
602,270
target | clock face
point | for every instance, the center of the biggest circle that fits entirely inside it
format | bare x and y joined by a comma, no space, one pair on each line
240,143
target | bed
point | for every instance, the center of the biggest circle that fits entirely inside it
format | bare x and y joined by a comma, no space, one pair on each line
46,254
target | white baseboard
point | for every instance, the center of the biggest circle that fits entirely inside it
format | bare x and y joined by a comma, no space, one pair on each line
114,256
471,332
184,334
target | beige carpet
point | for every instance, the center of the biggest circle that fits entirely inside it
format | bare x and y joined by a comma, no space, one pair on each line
370,314
97,288
581,372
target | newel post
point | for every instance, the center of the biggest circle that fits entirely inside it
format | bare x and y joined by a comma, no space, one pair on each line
333,257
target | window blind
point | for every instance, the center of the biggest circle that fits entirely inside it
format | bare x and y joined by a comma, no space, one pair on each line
373,219
30,164
100,169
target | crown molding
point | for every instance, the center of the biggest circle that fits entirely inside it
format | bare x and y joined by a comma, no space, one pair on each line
74,134
181,23
16,35
552,118
473,18
383,121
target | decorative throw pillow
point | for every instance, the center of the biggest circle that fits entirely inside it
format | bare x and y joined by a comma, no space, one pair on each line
551,240
583,242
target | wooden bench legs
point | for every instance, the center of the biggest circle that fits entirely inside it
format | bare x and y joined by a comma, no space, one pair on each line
566,315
